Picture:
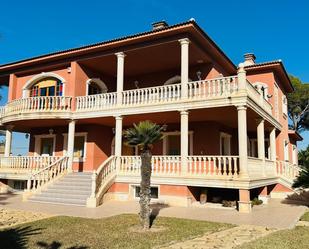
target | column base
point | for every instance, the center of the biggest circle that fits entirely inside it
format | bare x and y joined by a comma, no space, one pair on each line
244,207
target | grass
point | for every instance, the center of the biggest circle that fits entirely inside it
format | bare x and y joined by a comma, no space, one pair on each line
297,238
305,217
114,232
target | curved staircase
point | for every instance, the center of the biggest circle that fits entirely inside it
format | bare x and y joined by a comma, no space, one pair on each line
71,189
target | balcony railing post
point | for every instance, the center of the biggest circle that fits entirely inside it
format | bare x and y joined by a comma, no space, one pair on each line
242,78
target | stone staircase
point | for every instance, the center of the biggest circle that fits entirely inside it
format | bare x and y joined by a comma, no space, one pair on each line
72,189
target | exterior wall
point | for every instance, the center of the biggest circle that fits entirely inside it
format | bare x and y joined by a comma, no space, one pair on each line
98,145
270,79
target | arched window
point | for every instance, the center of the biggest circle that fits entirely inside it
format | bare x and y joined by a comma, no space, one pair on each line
49,86
95,86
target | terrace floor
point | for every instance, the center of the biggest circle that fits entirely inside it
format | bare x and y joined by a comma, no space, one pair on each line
274,215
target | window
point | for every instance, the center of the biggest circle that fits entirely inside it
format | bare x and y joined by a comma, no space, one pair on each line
262,89
286,150
171,143
79,147
47,87
284,105
93,88
154,192
80,142
19,185
225,144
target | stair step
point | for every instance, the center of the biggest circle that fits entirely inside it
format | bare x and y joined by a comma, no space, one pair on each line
65,195
67,191
73,180
69,187
75,184
58,200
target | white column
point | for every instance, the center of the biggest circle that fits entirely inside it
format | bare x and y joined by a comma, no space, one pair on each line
242,140
184,66
272,141
118,135
71,136
184,139
260,138
241,75
8,142
120,76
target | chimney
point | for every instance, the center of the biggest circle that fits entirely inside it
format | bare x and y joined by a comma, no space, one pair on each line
249,59
159,25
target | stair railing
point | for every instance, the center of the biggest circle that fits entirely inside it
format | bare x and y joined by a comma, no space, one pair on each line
102,179
50,173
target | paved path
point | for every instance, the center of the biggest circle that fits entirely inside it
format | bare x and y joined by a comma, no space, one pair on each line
226,239
273,215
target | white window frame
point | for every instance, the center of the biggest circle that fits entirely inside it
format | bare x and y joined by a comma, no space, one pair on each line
286,150
284,105
65,145
38,143
259,85
227,141
132,192
294,154
276,100
176,133
97,81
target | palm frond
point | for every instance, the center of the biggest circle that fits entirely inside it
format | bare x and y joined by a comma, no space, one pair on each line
143,134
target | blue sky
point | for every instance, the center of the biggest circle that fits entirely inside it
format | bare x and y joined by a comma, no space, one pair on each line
276,29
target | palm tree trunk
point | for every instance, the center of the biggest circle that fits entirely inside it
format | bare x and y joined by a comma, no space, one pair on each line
145,189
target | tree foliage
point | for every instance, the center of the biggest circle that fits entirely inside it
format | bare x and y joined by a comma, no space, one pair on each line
298,105
303,179
144,135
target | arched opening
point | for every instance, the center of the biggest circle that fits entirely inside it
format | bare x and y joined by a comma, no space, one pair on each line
95,86
49,86
44,84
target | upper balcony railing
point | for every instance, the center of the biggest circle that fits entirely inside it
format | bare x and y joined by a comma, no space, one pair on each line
38,104
218,88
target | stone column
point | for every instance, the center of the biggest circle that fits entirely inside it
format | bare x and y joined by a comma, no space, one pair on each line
184,66
244,203
8,141
120,76
71,137
272,141
242,79
261,142
118,135
242,141
184,140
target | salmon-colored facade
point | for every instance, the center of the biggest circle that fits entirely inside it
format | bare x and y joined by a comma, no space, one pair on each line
168,75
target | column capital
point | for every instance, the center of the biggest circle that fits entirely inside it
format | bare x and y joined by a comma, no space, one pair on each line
184,41
183,112
241,107
118,117
259,120
120,54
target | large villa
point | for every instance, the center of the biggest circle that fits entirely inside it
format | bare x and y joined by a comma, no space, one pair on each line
226,126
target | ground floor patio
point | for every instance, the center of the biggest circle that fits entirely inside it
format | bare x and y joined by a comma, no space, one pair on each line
276,214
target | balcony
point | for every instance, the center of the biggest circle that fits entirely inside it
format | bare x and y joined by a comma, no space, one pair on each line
221,92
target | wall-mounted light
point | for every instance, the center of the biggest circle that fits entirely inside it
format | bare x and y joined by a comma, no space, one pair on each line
51,131
199,75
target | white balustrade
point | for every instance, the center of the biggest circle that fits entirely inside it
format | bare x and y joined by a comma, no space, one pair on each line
152,95
161,165
213,165
287,170
256,96
2,111
26,163
218,87
96,102
48,174
39,104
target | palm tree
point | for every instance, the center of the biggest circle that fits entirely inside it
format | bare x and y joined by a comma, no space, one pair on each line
144,135
302,180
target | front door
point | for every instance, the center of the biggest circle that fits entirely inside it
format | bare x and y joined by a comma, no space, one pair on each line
47,146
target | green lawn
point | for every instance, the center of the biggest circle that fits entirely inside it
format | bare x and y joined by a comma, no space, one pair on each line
305,217
114,232
297,238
